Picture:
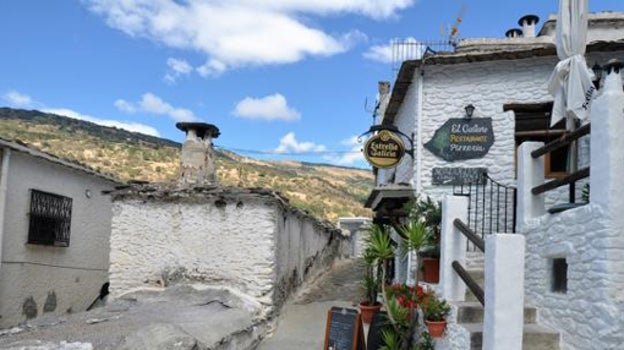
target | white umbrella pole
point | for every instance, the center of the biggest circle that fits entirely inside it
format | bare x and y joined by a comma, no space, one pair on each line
572,157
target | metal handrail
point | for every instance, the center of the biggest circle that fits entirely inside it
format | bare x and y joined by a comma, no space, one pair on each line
470,282
550,185
565,140
473,237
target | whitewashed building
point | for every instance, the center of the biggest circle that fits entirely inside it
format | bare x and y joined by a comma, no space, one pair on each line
193,231
55,225
572,268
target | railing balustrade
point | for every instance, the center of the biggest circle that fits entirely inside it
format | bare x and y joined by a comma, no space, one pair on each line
570,179
491,206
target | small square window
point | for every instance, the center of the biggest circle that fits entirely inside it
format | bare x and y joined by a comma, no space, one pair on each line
559,275
50,219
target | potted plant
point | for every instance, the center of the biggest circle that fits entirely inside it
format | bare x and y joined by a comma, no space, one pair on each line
430,213
435,311
415,236
377,250
369,305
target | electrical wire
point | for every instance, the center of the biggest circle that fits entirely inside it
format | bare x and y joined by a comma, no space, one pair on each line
276,153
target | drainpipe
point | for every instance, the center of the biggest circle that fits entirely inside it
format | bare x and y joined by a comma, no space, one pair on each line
419,130
4,173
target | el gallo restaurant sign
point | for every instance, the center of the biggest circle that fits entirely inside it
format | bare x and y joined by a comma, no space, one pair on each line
384,150
459,139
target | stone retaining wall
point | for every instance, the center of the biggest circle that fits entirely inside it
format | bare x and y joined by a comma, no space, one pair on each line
251,241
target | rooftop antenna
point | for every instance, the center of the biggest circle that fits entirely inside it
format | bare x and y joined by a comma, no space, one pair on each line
451,33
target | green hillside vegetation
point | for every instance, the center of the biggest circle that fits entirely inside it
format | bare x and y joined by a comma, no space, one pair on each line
326,191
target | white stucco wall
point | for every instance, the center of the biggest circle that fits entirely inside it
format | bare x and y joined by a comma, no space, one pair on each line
302,247
488,85
589,315
357,231
69,276
251,244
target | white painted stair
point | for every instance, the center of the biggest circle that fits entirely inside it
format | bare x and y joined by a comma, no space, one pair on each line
470,316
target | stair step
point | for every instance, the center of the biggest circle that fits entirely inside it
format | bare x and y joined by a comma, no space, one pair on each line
475,260
472,312
535,337
479,277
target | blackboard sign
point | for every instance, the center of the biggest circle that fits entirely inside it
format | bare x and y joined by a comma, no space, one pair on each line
379,323
458,176
459,139
344,330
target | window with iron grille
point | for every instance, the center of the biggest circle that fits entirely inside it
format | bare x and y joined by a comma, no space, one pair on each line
50,219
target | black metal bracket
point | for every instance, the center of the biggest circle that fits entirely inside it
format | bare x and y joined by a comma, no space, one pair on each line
393,129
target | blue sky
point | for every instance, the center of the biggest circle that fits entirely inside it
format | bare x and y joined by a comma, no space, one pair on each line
288,76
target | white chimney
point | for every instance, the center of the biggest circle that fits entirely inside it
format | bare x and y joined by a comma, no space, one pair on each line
514,33
528,24
382,102
197,158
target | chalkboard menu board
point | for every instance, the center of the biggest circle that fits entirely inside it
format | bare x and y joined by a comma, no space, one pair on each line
459,139
458,176
344,330
379,323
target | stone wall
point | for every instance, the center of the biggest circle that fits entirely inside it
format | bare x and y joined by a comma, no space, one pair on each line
247,240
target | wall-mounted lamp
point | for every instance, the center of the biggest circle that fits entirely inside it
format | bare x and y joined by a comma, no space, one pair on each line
469,110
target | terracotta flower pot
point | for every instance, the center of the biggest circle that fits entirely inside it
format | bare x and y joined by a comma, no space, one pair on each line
368,311
431,270
436,328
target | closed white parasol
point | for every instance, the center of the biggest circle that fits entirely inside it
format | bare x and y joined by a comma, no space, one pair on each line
571,81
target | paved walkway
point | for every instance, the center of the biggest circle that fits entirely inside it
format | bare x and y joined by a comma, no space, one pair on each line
302,323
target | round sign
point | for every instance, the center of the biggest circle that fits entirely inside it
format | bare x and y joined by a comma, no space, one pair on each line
384,150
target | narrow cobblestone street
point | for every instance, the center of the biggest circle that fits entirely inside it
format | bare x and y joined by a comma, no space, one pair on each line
303,320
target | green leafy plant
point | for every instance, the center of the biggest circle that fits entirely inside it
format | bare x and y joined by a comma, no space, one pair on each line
429,212
435,309
378,249
391,340
416,237
425,343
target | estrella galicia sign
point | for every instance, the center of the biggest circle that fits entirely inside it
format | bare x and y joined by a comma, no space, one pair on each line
384,150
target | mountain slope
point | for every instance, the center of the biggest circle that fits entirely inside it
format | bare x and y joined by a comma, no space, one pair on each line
326,191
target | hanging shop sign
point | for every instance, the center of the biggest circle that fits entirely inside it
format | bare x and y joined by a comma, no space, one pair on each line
384,150
461,138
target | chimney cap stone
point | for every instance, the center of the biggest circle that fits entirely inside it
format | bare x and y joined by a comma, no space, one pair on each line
530,19
514,33
201,128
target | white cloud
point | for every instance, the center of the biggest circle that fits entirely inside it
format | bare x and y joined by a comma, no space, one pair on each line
17,99
289,144
177,69
408,49
211,69
354,155
130,126
125,106
272,107
238,33
151,103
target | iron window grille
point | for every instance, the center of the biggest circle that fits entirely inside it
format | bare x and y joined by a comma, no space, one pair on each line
50,219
